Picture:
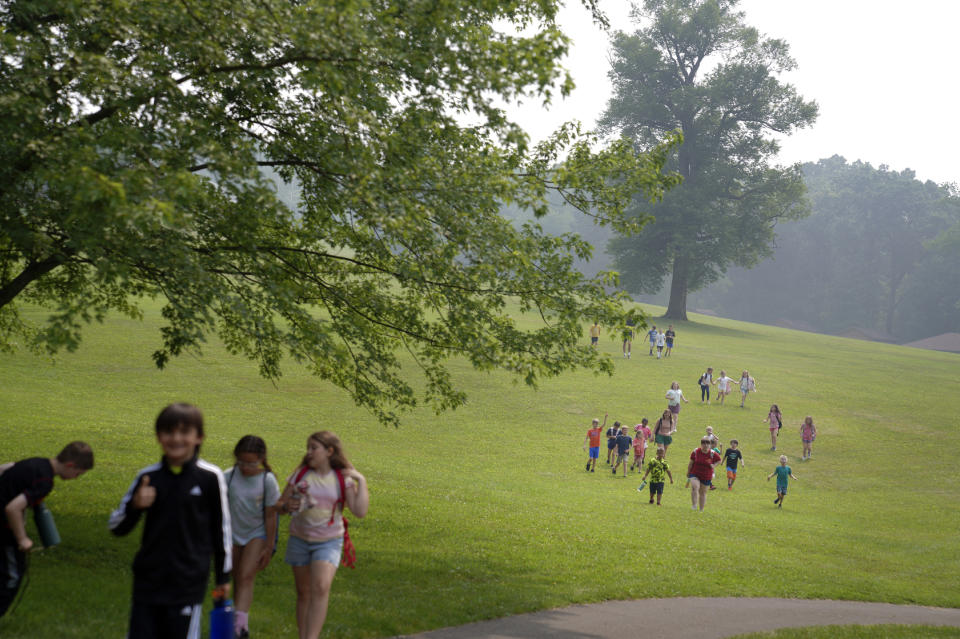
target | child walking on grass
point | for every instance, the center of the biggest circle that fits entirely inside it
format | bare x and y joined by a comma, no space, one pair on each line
808,433
703,460
253,492
612,433
747,386
731,457
316,493
782,472
641,435
593,439
624,442
184,501
775,419
23,485
656,468
724,386
664,430
705,381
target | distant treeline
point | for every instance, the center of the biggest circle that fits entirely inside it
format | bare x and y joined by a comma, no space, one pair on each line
880,253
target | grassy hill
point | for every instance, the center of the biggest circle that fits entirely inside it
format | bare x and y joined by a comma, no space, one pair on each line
487,511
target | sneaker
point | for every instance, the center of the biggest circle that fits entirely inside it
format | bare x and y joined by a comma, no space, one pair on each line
779,505
593,470
713,488
243,634
777,500
651,501
614,471
588,465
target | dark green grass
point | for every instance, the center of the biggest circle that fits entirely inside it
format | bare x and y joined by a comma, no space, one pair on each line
487,511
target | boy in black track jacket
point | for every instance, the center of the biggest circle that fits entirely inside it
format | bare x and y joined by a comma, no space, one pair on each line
188,521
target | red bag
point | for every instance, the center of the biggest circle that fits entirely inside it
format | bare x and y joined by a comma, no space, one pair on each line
349,555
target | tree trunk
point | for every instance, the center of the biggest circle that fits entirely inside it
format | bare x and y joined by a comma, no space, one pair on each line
33,271
892,300
677,308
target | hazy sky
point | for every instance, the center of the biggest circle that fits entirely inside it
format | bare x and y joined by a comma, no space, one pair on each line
883,73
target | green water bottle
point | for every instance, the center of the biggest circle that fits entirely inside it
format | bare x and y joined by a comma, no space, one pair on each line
46,527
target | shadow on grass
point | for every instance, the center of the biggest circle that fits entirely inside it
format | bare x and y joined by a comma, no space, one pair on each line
544,624
710,330
402,591
80,588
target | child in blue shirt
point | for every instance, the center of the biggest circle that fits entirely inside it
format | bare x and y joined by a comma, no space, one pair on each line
623,442
782,472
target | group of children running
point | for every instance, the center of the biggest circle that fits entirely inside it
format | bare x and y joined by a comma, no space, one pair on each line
195,514
725,385
703,460
661,341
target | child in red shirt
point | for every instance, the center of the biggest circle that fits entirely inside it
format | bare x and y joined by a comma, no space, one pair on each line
700,471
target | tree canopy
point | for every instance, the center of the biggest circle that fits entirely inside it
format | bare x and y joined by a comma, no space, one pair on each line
695,66
136,135
880,251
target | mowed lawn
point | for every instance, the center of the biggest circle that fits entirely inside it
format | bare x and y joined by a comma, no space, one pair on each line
487,511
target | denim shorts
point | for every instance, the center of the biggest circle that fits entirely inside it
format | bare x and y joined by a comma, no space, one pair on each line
302,553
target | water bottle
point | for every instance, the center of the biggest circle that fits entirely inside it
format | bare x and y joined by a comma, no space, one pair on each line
221,619
46,528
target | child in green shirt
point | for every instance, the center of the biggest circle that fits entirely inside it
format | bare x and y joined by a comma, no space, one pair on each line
657,468
782,472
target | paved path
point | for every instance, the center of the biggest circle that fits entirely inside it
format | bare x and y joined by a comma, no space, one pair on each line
693,618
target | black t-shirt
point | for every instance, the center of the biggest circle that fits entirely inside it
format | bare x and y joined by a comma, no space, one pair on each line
731,457
669,335
31,477
612,433
623,444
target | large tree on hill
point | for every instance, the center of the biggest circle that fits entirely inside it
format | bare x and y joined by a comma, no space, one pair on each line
135,135
695,66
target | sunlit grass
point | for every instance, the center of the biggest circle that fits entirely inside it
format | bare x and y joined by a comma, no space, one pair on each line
487,511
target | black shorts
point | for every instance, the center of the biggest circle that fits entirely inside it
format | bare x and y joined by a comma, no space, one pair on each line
656,488
148,621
